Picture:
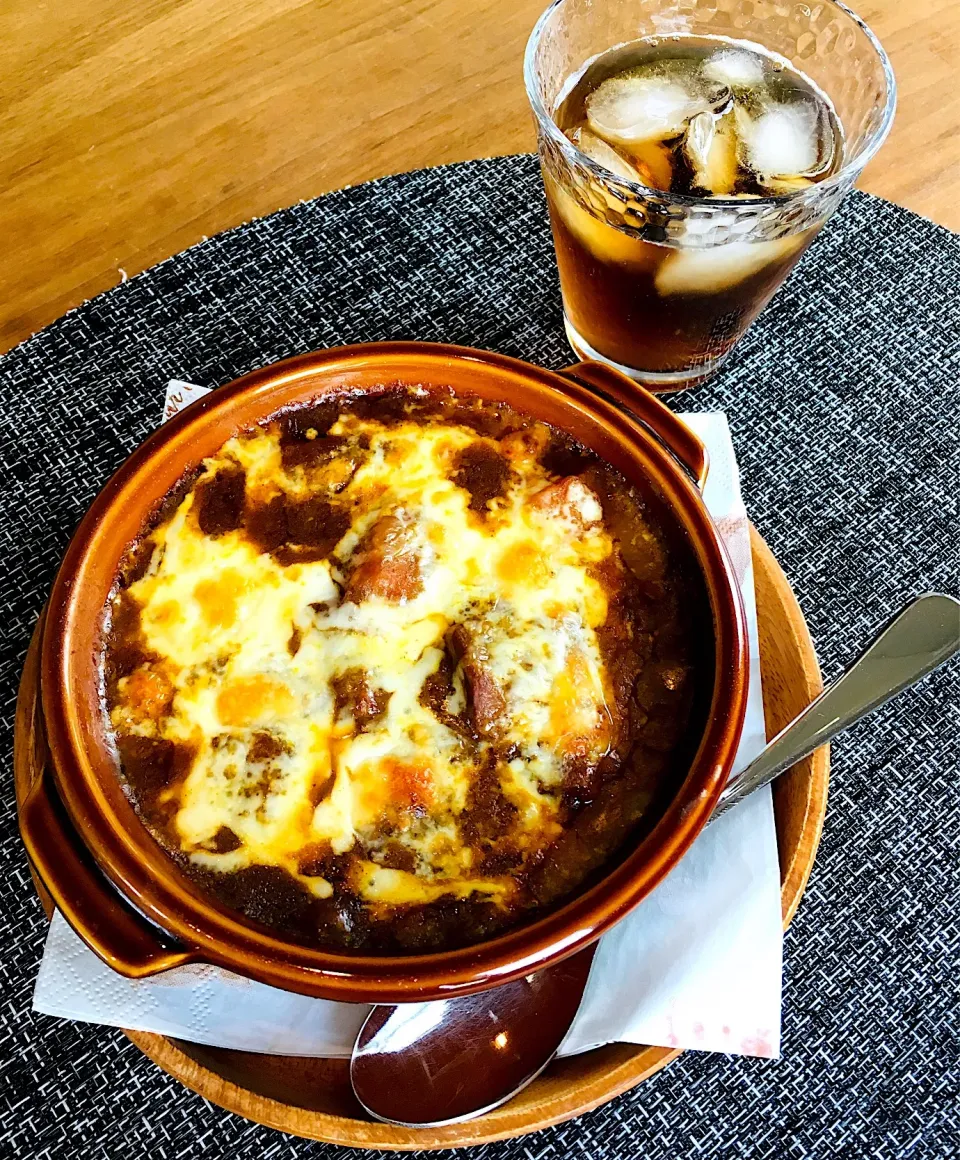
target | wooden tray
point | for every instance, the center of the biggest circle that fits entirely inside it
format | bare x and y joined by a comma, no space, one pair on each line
312,1097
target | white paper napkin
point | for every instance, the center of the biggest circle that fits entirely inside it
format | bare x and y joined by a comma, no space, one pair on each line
696,965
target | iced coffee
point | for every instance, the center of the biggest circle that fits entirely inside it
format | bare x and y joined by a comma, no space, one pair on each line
687,118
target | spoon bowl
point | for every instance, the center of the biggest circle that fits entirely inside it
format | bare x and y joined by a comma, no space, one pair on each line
428,1064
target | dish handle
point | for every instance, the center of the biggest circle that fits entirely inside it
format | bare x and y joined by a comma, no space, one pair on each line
641,404
110,927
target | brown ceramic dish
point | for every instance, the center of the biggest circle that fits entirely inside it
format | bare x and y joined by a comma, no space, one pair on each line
79,827
311,1097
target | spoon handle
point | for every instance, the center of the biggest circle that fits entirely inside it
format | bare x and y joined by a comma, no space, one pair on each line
921,638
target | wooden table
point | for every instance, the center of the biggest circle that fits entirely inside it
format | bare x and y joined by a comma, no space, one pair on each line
132,130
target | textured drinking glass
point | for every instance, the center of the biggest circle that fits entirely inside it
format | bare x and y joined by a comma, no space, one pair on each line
674,330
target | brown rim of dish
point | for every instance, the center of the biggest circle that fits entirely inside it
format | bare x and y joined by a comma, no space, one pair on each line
85,772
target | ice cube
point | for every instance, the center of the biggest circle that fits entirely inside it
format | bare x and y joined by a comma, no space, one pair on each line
632,108
650,164
604,241
786,140
711,151
654,164
716,268
598,150
785,185
735,67
699,140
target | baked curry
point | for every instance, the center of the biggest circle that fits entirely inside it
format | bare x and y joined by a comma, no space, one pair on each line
396,671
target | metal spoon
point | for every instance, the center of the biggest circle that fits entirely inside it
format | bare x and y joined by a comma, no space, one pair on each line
919,640
424,1065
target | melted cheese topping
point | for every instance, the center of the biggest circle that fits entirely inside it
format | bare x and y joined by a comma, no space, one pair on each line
246,653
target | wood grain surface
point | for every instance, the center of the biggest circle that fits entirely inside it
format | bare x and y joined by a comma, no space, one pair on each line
312,1097
131,131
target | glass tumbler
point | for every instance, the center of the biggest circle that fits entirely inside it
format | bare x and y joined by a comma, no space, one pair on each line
612,235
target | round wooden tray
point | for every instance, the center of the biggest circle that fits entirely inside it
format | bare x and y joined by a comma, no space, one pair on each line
312,1097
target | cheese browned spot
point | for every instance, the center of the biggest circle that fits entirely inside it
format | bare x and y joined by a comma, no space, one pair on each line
382,649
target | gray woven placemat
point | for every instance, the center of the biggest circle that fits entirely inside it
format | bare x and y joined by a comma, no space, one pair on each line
844,403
